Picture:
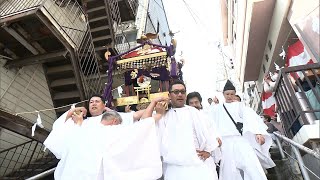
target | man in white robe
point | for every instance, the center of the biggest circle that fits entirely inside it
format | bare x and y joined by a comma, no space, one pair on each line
101,150
185,141
241,152
96,109
194,99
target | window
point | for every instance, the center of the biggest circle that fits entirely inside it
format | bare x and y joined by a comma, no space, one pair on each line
264,69
270,45
267,57
158,27
128,37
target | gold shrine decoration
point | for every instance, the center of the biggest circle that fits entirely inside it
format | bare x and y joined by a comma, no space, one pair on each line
144,62
160,94
135,99
126,101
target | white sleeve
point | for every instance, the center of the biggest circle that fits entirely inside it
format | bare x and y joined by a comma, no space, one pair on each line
127,118
206,138
56,141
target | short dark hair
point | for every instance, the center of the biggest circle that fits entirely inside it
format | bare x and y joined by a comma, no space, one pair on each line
98,95
267,117
209,98
177,81
192,95
238,96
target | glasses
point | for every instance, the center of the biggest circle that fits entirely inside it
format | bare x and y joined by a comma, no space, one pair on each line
176,92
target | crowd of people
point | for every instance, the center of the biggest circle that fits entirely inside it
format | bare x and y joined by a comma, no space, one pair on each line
174,138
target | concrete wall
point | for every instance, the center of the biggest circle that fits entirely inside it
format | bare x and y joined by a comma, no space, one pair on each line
24,90
278,32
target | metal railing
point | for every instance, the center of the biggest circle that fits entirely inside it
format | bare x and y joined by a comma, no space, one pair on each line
295,147
43,174
121,42
69,19
25,160
297,94
134,6
89,67
9,7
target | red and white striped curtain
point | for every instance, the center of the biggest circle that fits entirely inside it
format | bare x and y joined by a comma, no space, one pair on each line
297,55
268,103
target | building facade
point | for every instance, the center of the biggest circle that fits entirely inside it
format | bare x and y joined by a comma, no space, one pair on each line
260,35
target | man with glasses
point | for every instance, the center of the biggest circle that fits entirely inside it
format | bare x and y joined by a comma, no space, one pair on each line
185,141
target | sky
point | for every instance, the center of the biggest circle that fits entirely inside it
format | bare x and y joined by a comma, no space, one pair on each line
199,31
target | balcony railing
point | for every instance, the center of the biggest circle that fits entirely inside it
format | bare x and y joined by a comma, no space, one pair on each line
25,160
121,43
297,93
133,6
89,67
68,17
10,8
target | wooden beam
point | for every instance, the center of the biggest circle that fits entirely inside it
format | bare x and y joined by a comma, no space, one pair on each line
22,40
19,16
8,51
21,126
27,36
38,59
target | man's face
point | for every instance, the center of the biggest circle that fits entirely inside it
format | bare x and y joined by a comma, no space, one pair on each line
194,102
178,95
229,95
210,101
96,106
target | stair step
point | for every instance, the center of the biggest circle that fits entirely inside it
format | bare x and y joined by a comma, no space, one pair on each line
101,38
63,82
59,69
95,9
97,19
29,169
7,178
44,161
66,95
99,28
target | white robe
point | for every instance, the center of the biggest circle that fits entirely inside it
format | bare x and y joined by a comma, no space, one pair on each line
94,151
182,131
216,154
242,152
